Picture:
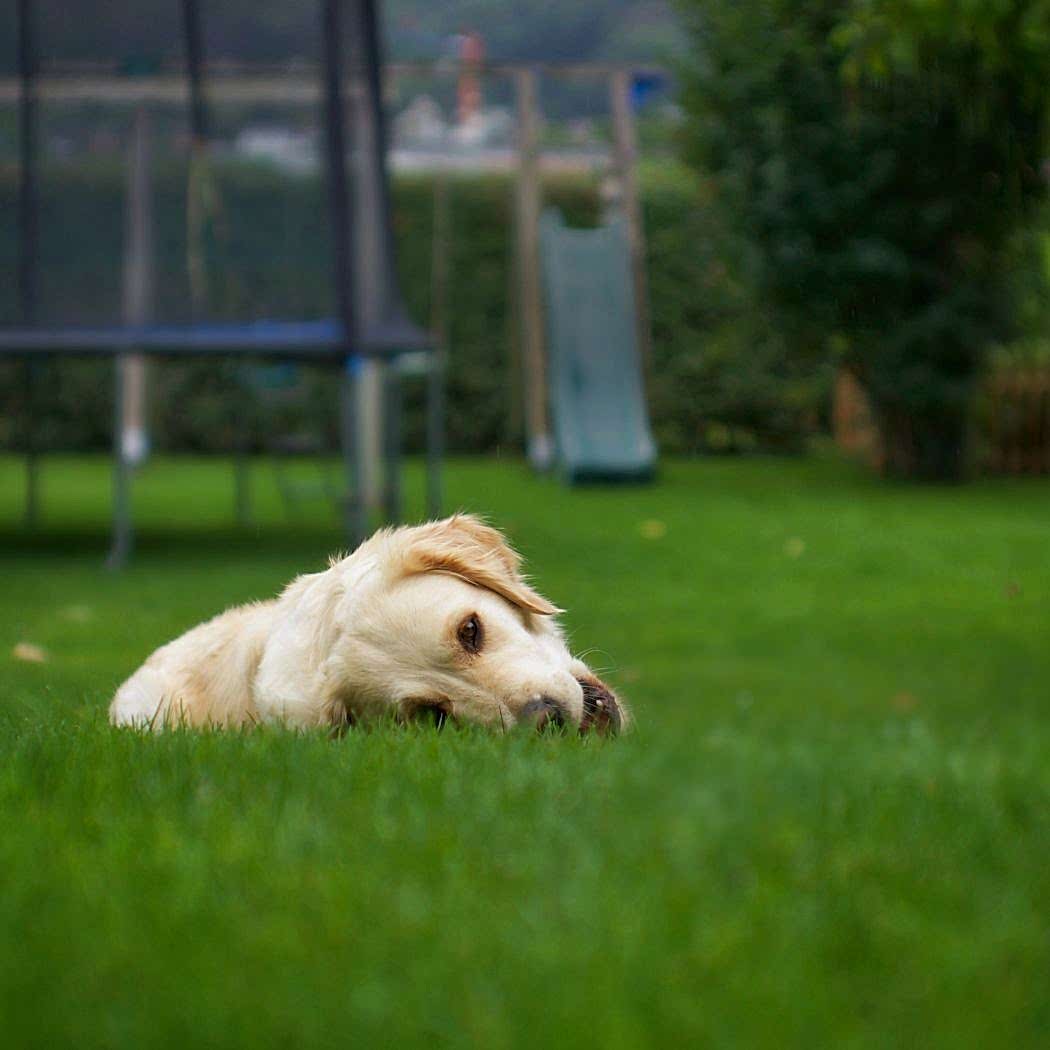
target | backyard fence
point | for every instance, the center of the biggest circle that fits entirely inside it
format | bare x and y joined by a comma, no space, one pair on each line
1016,420
1012,422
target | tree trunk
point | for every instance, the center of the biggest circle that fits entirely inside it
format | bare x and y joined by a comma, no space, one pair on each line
925,446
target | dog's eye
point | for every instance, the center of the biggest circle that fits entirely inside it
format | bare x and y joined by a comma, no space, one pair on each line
470,634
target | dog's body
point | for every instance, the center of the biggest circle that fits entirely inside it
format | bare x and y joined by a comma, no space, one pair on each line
433,620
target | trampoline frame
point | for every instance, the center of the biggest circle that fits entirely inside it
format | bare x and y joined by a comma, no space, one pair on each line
342,342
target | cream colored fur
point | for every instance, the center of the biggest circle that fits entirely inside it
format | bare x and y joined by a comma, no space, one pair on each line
375,634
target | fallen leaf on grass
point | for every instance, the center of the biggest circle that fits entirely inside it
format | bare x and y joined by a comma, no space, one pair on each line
904,701
651,529
29,653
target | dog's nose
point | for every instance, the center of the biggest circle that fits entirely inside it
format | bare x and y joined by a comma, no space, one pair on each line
541,714
601,712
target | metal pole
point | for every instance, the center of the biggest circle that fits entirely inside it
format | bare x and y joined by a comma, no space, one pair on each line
435,377
435,429
626,149
138,282
373,244
28,200
370,290
129,369
194,43
355,513
354,510
197,175
28,235
540,447
392,442
242,492
335,143
373,71
120,544
198,206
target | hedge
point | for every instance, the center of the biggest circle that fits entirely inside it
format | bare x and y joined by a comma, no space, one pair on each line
719,377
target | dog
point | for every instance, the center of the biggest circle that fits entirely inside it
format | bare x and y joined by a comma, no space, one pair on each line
430,622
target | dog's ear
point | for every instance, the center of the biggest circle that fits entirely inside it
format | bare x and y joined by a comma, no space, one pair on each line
466,547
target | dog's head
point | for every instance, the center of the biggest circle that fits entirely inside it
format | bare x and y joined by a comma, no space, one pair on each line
438,622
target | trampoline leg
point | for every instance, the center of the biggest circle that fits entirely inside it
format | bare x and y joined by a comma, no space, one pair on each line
435,431
242,491
355,521
32,508
121,539
392,442
242,488
32,505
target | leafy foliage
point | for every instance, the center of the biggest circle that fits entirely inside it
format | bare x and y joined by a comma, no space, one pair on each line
723,378
876,159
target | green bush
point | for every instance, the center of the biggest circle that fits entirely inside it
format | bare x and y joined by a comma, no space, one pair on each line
876,159
723,378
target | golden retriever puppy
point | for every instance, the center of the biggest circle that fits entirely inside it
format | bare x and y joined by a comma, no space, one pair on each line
434,621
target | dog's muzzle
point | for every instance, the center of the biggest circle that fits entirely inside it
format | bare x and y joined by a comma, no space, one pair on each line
601,712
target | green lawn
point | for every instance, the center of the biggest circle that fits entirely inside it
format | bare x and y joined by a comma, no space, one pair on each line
831,828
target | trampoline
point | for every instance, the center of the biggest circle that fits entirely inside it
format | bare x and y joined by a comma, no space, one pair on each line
369,322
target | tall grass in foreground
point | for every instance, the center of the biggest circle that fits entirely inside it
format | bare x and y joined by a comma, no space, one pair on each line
831,827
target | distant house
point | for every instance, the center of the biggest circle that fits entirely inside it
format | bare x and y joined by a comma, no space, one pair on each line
420,125
286,149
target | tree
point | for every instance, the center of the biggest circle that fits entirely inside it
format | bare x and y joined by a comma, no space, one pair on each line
877,158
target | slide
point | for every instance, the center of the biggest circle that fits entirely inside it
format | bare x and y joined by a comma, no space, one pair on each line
597,398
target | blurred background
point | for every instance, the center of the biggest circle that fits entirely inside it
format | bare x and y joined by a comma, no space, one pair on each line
841,208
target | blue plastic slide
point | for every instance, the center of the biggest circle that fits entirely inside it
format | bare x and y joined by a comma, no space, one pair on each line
597,398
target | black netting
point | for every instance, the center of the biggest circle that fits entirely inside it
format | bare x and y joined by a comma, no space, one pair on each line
243,235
